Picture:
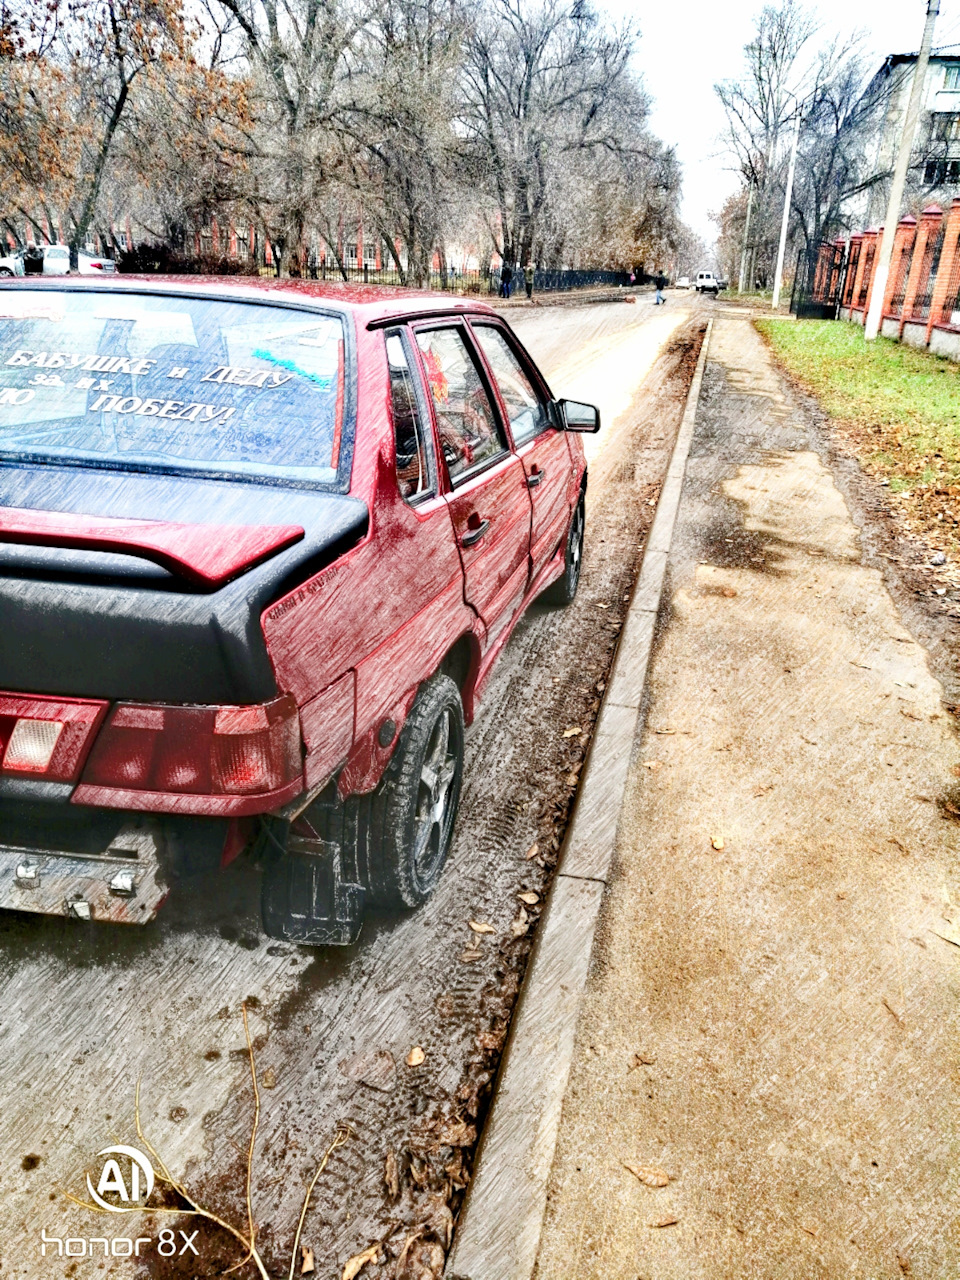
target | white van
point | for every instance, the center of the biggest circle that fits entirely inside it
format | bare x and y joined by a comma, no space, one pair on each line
707,283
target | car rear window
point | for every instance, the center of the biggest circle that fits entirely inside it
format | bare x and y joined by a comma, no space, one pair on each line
182,384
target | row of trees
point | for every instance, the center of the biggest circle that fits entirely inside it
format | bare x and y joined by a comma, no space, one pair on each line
518,126
789,73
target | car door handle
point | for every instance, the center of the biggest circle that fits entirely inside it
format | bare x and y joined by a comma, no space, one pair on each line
534,478
473,536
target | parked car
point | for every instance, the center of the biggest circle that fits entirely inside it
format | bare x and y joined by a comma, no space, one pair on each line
683,282
91,264
707,283
11,264
260,547
46,260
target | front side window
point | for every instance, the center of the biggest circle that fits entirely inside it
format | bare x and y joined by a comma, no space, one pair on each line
413,456
466,422
525,407
184,384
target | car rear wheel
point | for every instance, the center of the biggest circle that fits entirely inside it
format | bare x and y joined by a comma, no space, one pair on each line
408,825
5,271
564,590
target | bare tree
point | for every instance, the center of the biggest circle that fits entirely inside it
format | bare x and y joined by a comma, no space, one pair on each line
542,85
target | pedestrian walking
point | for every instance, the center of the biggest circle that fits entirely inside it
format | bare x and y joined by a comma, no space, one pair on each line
660,280
506,279
528,278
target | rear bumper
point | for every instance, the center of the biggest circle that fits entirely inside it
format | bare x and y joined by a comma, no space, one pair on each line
122,883
180,802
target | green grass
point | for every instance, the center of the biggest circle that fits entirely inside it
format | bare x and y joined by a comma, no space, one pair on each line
896,408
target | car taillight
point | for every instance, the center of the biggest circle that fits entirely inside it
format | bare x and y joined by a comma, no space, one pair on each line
198,750
31,745
46,738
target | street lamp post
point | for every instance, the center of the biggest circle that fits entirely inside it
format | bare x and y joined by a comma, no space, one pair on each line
882,269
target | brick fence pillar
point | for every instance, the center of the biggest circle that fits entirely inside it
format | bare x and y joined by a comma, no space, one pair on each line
930,221
855,252
948,258
903,239
868,251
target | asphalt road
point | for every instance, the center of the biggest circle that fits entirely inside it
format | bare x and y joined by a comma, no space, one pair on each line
86,1011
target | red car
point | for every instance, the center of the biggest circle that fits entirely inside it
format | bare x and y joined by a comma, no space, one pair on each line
260,546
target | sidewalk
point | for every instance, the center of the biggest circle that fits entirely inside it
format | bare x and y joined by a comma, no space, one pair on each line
770,1017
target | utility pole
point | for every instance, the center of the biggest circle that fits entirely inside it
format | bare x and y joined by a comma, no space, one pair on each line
788,196
882,268
746,239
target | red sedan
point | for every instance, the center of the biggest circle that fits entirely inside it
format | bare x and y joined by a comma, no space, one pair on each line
260,546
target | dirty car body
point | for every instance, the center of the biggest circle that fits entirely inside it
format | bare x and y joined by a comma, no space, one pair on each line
260,547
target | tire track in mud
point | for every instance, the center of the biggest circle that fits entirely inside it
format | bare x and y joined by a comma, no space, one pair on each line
427,979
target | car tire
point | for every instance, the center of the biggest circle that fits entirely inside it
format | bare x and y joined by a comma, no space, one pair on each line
5,271
564,590
408,824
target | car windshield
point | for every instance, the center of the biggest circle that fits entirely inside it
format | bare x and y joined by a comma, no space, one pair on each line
183,384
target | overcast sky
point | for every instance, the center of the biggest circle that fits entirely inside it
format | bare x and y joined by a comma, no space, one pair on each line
688,45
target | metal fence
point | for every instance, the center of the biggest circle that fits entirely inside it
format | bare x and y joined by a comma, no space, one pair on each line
151,259
819,280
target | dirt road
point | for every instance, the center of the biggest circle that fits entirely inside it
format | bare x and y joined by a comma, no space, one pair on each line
88,1010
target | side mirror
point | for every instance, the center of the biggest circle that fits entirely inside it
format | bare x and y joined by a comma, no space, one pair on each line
574,416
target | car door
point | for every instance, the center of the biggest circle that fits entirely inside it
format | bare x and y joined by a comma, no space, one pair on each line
543,450
488,496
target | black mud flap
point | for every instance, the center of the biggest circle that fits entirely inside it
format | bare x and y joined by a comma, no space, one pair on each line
306,896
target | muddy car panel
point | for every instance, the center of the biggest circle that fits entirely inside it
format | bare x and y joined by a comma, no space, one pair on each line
243,630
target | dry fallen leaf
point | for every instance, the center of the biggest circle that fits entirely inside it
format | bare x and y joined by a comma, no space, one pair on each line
665,1222
530,898
480,926
306,1261
470,954
532,851
359,1261
521,924
664,731
269,1078
391,1175
649,1177
956,770
603,606
653,765
415,1057
729,592
457,1133
717,841
573,731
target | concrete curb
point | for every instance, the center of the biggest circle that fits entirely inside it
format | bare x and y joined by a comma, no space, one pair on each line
498,1236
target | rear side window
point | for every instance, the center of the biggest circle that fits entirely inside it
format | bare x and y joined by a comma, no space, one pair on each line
414,460
182,384
525,407
466,422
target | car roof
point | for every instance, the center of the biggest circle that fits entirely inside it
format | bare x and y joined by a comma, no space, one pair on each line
370,304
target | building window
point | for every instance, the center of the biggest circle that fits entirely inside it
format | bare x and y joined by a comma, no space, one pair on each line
952,78
939,173
945,126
